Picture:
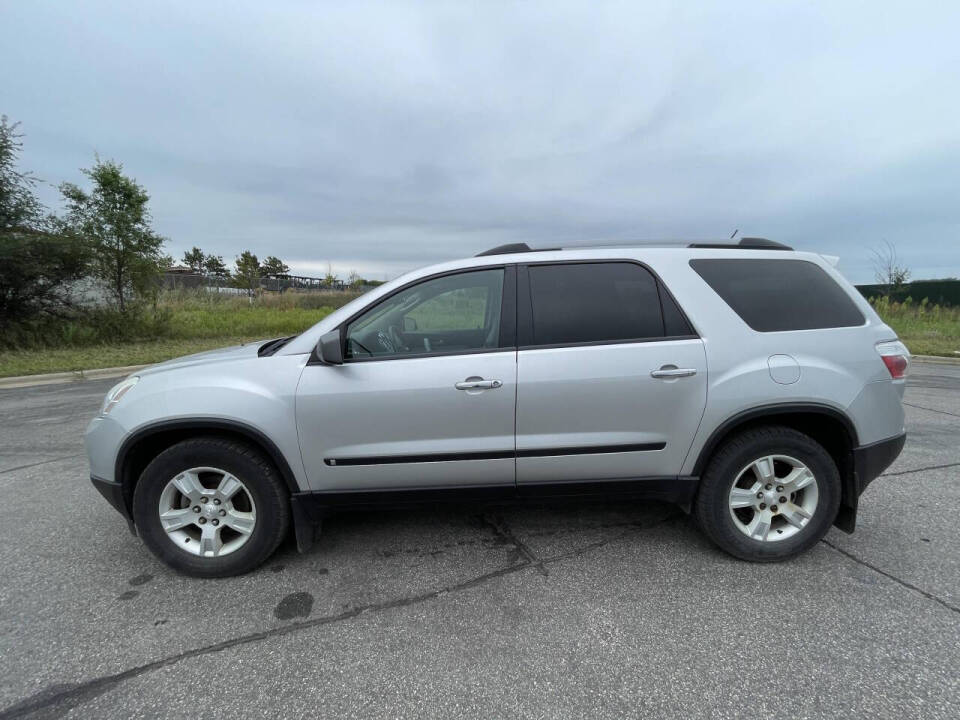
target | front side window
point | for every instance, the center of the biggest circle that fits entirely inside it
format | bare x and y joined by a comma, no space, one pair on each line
450,314
593,302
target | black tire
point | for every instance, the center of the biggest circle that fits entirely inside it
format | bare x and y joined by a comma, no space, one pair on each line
258,475
712,508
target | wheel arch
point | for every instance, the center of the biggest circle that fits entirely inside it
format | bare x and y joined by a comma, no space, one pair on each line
829,426
145,443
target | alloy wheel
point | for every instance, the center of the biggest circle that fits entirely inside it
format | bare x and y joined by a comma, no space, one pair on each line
773,498
207,512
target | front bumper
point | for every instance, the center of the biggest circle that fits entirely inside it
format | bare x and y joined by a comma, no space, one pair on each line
102,440
869,462
113,492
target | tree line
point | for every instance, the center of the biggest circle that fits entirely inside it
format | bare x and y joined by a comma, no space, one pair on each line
104,234
249,270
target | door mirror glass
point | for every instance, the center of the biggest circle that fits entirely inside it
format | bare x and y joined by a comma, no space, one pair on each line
330,349
409,323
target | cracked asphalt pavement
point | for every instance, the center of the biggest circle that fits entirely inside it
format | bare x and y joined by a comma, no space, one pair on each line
536,612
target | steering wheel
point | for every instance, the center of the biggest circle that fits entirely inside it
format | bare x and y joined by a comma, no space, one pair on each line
386,342
396,339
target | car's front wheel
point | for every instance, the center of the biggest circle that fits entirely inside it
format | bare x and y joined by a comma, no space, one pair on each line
211,507
768,494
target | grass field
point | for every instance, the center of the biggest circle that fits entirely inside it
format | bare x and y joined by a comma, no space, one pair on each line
185,322
926,329
31,362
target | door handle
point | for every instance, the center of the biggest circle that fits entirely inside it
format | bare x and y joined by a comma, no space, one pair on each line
673,372
478,384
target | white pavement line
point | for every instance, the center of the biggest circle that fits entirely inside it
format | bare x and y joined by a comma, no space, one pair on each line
22,381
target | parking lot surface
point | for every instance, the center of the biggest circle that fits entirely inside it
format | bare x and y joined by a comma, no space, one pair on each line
542,612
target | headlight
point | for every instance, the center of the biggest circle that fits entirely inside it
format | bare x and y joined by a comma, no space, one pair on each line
116,393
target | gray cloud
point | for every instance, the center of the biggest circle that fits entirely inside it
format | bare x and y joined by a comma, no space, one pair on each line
384,136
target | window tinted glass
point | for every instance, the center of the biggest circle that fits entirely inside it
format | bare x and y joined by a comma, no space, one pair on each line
593,302
773,295
674,322
454,313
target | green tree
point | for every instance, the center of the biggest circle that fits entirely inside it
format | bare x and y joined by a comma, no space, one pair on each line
194,259
214,265
273,267
19,207
355,281
114,218
247,273
37,266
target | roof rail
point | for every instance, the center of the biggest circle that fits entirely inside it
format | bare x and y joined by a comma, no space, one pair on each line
747,243
512,248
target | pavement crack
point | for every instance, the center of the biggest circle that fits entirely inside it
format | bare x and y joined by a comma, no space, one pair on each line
923,469
933,410
42,462
57,701
891,576
635,527
504,533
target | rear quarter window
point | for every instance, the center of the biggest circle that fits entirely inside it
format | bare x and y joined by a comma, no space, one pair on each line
777,295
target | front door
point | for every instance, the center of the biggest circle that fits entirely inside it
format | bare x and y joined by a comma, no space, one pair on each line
426,394
611,377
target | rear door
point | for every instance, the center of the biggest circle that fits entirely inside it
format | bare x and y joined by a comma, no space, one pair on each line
611,379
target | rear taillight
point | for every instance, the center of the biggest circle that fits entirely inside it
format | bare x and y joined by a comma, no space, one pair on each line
896,357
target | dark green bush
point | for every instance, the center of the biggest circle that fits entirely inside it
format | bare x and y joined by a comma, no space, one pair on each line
937,292
90,326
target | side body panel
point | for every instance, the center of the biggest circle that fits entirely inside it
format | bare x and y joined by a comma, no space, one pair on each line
603,396
375,425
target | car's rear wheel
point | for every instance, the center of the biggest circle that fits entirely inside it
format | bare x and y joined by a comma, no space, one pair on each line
211,507
768,494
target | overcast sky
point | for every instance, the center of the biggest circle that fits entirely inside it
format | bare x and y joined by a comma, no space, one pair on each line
384,137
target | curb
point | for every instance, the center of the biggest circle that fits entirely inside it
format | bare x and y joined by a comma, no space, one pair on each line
937,359
23,381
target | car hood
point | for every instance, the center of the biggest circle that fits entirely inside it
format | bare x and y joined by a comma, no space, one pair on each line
235,352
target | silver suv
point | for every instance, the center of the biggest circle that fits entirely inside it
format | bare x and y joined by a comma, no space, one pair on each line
749,384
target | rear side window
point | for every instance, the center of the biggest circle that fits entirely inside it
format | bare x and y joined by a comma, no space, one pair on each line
776,295
595,302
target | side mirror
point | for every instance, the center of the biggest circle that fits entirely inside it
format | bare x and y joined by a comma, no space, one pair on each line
409,324
330,349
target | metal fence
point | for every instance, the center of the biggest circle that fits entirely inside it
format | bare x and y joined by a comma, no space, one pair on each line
300,283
